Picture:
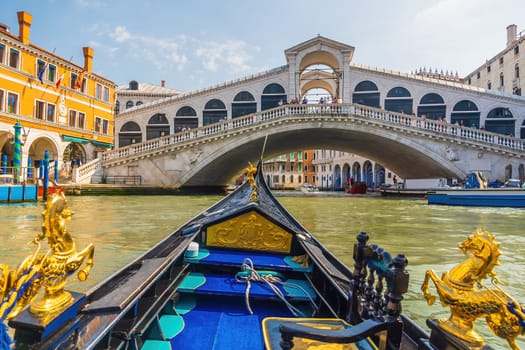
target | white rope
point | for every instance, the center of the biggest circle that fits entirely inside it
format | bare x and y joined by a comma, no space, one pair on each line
249,274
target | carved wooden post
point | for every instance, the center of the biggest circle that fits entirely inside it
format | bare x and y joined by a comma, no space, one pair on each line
397,280
359,274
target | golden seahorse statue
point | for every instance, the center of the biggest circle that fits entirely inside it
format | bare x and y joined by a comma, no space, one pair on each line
250,174
462,290
20,287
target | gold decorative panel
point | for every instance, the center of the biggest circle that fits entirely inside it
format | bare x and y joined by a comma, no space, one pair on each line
249,231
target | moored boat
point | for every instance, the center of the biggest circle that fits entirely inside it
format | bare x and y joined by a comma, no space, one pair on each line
487,197
243,274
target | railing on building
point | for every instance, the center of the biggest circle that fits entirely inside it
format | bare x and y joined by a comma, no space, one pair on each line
355,111
118,179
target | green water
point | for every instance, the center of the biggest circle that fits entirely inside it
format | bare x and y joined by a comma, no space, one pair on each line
123,227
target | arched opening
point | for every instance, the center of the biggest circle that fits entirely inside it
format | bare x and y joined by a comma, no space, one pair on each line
185,118
508,172
432,106
129,133
214,111
368,173
338,183
158,126
366,93
319,81
500,120
74,155
399,100
243,104
380,175
272,94
356,172
465,113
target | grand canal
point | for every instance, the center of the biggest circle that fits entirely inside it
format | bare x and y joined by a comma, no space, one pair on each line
122,227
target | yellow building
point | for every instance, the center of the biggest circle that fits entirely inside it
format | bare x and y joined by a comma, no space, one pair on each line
63,108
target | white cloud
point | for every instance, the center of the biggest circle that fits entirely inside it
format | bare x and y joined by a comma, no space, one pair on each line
233,53
120,34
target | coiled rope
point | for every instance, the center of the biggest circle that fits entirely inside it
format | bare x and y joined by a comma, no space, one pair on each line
248,275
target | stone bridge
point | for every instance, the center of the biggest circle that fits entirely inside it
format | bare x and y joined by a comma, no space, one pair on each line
408,145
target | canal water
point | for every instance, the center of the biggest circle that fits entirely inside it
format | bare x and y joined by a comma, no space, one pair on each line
123,227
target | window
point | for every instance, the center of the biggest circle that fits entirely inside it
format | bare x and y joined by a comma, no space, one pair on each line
501,80
489,85
106,94
516,71
72,118
12,102
129,104
98,92
81,121
306,168
51,73
2,54
51,112
478,75
40,68
101,125
73,80
501,60
40,108
83,86
98,124
488,69
516,50
105,125
2,100
14,58
305,155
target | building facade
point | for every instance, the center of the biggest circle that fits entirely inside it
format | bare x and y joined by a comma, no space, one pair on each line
502,72
63,108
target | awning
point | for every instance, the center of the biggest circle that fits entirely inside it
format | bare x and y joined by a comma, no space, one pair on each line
102,144
74,139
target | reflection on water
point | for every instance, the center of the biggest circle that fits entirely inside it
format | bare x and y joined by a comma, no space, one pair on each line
123,227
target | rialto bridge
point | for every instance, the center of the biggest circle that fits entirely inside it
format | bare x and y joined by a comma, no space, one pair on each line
411,146
416,125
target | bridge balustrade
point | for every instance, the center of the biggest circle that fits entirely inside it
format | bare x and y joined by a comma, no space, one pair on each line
315,111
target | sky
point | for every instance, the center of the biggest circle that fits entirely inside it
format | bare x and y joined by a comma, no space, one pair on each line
199,43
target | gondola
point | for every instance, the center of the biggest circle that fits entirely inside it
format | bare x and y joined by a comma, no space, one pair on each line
243,274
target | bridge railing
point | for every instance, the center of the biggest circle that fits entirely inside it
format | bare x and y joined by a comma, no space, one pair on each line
319,110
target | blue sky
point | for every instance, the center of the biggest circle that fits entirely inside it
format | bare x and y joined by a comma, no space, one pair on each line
195,44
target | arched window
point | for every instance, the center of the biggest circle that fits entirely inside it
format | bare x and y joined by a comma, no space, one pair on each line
243,104
432,106
398,99
500,120
516,71
522,131
138,103
185,118
272,94
129,104
501,79
214,111
129,133
366,93
465,113
158,126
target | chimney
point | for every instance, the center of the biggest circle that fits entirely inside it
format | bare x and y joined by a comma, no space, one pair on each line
88,58
163,83
24,22
512,34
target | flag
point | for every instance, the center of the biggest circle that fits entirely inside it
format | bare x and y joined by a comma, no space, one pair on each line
78,83
41,73
59,81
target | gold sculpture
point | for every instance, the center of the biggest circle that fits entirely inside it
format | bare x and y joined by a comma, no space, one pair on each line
20,287
250,174
462,290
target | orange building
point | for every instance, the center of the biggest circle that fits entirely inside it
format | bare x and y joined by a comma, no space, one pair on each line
63,108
